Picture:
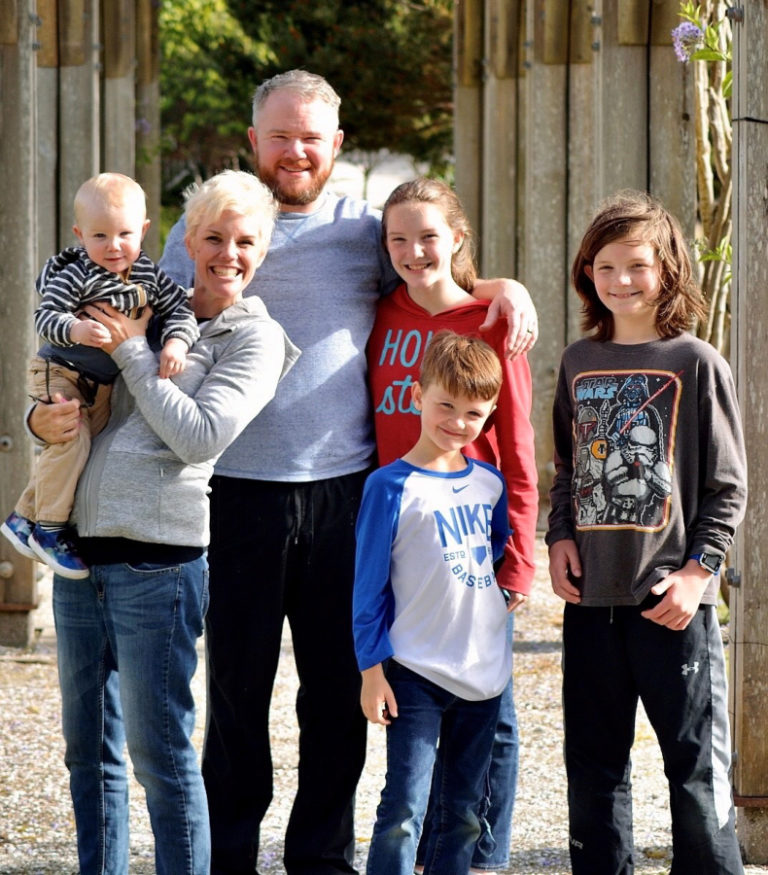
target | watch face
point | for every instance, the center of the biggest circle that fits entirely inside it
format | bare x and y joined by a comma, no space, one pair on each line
711,561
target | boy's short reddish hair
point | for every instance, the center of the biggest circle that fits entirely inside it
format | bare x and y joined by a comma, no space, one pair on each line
462,365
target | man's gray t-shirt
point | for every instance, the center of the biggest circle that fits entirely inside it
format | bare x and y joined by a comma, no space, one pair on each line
321,279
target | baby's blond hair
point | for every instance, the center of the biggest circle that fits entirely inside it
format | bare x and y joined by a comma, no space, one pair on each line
108,189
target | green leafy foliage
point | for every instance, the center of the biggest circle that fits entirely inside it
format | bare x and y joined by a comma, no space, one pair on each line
704,38
389,60
209,66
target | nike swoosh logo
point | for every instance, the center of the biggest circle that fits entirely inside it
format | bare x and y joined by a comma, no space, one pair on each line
460,488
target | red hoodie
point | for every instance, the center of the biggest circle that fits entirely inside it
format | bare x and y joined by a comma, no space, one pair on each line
400,335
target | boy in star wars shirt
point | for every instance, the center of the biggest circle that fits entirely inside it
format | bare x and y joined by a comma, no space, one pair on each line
650,486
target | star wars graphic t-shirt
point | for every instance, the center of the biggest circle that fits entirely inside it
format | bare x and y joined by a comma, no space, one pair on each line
649,462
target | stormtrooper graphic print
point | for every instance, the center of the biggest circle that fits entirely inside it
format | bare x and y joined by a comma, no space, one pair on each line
625,429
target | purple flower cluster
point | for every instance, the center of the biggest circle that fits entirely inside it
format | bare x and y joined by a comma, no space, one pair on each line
686,38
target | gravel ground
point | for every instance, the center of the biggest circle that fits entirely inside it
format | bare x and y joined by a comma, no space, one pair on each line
37,835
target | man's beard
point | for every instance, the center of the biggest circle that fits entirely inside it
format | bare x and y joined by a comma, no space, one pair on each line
291,197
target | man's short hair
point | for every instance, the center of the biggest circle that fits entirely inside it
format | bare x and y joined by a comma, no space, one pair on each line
310,86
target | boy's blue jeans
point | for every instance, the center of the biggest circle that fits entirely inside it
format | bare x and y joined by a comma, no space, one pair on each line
497,807
126,641
464,729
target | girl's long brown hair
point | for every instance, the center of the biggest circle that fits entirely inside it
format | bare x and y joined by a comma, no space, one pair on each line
432,191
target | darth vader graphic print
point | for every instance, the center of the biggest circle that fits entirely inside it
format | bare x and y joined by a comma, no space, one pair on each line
625,428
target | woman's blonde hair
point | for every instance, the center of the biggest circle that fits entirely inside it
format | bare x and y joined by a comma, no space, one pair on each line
234,190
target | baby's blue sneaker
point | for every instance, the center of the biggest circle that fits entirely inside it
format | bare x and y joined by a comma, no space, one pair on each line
18,529
55,548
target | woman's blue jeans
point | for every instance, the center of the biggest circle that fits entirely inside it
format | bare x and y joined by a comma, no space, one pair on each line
126,648
428,714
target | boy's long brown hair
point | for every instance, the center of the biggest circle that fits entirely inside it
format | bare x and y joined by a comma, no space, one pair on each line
638,216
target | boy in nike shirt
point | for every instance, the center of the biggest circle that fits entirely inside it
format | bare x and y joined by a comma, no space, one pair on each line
429,618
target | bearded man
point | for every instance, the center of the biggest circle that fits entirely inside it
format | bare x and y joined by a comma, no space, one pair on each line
285,496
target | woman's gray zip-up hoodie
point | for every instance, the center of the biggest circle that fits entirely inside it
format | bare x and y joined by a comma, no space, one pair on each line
148,471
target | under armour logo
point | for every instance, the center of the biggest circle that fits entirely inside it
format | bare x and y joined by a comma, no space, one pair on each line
687,669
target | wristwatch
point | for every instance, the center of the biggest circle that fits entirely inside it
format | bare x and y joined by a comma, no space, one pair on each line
711,562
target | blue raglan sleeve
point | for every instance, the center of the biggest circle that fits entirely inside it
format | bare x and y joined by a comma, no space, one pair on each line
373,602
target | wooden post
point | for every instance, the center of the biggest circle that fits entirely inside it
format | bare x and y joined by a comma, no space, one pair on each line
467,117
79,143
499,141
119,110
47,108
749,605
148,118
18,590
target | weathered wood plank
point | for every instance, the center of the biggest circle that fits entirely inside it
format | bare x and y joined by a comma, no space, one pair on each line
74,28
17,231
541,226
497,244
468,108
499,140
47,111
749,612
80,108
48,33
557,40
148,170
468,41
635,16
119,109
584,186
502,30
47,156
118,123
622,120
119,38
671,129
9,22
